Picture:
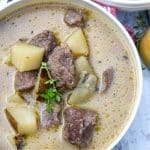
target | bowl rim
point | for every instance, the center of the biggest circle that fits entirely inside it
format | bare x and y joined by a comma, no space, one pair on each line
127,2
128,5
139,73
136,59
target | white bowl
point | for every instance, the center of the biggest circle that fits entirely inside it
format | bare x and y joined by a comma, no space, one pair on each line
129,5
8,8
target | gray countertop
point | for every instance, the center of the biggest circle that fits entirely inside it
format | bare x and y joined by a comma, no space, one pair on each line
138,135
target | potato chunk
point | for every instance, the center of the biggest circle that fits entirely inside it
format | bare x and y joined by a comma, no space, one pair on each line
84,90
26,57
77,43
7,60
79,95
82,64
145,48
15,99
23,119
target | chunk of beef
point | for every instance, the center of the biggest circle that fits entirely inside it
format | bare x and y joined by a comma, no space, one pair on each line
107,78
52,119
79,125
61,65
33,95
46,40
25,80
74,18
28,97
19,141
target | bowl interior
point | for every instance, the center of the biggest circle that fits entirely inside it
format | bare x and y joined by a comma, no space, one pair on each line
122,33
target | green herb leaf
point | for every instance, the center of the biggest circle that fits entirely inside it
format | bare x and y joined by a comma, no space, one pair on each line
50,82
58,98
51,95
44,96
44,65
49,108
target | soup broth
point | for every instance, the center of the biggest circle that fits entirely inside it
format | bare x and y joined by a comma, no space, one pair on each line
106,50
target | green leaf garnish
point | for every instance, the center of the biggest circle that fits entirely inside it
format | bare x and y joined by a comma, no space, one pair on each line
58,98
44,65
50,82
49,108
51,95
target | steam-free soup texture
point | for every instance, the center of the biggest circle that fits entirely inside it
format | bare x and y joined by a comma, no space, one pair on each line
106,50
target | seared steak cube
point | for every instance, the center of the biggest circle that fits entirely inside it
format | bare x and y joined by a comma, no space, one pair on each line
45,40
61,65
25,80
107,78
19,142
51,119
79,125
74,18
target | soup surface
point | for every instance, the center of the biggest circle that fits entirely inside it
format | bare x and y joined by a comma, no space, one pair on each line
106,50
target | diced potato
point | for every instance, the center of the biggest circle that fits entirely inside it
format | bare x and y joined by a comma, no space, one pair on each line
79,95
84,90
7,60
77,43
15,98
23,119
82,64
88,81
145,48
26,57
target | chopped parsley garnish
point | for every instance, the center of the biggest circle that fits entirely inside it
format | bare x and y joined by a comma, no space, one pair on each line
51,95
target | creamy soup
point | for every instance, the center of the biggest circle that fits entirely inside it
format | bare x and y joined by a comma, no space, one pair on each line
106,49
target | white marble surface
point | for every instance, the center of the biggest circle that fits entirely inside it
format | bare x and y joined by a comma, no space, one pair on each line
138,135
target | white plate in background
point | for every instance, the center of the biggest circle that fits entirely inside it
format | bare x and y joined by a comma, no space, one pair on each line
129,5
3,3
